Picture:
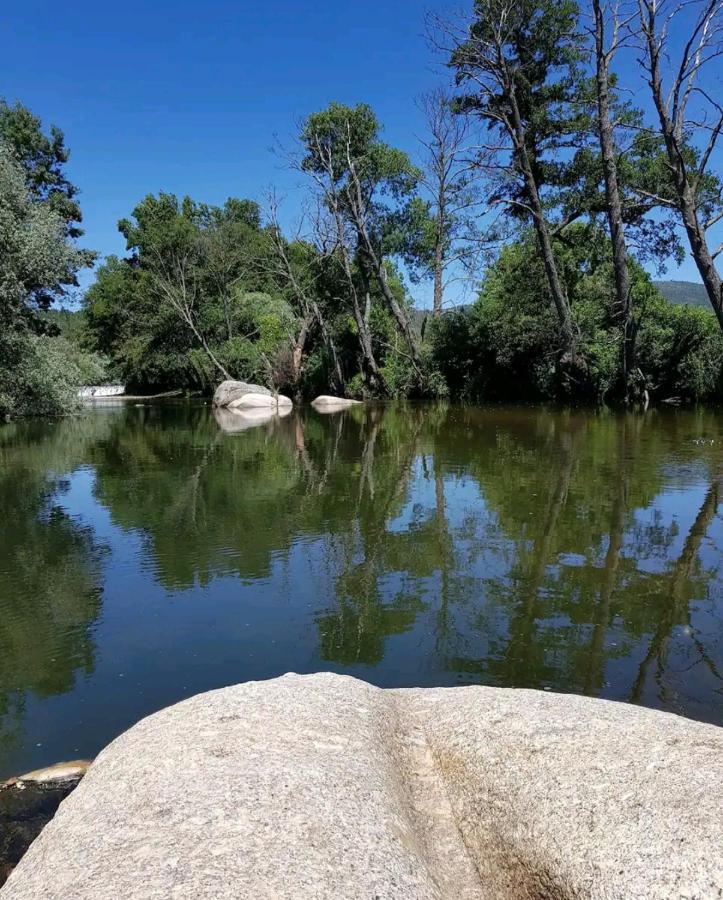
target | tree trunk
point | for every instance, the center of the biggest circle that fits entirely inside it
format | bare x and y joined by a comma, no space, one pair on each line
544,240
337,378
297,355
438,275
612,197
687,205
369,257
365,342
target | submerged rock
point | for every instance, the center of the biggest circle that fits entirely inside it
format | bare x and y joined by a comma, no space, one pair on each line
325,403
322,787
28,803
228,391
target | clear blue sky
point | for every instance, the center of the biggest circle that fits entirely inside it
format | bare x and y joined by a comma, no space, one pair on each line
190,97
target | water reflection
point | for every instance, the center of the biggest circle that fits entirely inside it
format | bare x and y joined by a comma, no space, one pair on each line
49,572
408,545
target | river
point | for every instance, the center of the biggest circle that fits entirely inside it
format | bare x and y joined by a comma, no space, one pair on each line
146,554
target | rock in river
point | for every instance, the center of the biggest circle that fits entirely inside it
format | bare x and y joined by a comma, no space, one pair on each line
28,803
325,403
322,786
260,401
228,391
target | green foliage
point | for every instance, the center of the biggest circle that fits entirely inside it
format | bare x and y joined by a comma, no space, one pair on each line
42,158
39,374
529,50
505,345
341,137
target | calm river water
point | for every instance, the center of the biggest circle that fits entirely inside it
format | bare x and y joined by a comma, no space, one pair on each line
147,554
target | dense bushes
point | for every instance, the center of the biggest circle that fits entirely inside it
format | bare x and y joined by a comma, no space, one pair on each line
506,346
39,370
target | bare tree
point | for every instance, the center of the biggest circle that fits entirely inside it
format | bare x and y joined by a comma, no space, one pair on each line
339,235
454,196
299,278
685,109
174,277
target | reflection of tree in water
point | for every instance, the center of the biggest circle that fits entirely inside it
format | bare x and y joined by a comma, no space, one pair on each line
536,573
49,567
681,584
576,594
355,629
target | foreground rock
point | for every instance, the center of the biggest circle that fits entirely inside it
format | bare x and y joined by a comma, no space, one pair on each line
28,803
325,787
325,403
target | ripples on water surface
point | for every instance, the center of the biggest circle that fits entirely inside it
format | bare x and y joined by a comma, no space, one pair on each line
146,554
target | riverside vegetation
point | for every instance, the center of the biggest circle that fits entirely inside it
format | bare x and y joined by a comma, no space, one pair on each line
537,184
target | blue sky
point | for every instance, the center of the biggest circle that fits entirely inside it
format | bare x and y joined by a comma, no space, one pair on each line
191,97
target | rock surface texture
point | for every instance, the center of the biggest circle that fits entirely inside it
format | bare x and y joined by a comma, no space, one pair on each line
325,787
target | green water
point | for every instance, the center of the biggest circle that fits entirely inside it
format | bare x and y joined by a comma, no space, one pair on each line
146,554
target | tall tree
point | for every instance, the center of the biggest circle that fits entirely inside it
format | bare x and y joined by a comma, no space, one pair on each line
606,18
169,250
297,266
43,158
519,62
363,181
690,118
451,240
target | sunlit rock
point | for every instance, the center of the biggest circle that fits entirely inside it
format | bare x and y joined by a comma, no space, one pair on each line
326,403
325,787
228,391
261,401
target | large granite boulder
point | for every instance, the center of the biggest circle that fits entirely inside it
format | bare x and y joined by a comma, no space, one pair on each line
260,401
325,787
228,391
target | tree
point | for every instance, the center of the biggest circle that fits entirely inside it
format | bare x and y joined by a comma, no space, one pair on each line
170,251
42,158
686,110
359,176
519,63
35,256
449,236
297,266
604,53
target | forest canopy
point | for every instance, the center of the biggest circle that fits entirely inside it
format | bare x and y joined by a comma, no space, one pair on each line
537,185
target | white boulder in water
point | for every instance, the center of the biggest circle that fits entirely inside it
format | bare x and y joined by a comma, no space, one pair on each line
260,401
228,391
326,403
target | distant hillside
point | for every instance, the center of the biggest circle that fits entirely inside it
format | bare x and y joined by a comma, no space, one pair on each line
688,293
